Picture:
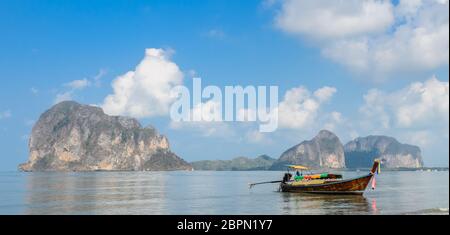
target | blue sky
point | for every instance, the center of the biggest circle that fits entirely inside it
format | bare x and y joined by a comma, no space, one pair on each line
45,45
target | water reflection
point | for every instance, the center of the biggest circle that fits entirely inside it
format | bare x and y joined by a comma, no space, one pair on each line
302,203
95,193
210,193
374,206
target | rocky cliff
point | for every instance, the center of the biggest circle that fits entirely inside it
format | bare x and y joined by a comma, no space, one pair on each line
74,137
362,151
263,162
323,151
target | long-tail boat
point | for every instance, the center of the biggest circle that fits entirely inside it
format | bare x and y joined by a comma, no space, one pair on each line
332,185
325,183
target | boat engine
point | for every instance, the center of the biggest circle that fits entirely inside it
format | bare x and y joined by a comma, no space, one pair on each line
287,177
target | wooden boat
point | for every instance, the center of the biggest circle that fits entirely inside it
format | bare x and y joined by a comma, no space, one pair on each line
329,185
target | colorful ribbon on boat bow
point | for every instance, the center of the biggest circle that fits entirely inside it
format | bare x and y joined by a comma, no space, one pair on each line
374,181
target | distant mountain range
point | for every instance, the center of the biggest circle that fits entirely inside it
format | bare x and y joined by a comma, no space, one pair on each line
75,137
263,162
325,150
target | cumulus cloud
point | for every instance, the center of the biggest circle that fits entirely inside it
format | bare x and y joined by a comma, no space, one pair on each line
421,104
324,19
371,36
78,84
417,114
325,93
206,120
145,91
299,107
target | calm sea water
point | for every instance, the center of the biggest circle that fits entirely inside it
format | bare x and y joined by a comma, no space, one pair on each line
211,193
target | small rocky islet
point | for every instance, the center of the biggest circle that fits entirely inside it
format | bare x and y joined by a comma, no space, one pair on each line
74,137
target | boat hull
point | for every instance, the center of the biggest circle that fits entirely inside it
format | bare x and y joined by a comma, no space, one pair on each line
351,186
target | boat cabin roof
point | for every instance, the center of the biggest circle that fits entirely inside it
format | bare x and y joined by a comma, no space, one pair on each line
297,167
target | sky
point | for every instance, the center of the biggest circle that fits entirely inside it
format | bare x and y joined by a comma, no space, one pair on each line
357,68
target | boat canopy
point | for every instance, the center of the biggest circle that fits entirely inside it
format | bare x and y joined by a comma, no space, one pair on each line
297,167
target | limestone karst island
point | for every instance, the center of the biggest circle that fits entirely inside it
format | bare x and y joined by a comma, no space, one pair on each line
75,137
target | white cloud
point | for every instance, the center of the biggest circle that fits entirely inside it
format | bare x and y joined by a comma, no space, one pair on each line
420,105
65,96
299,108
266,4
374,110
206,120
208,111
78,84
353,53
325,93
145,92
72,87
423,138
334,119
409,8
373,37
416,114
5,114
324,19
423,102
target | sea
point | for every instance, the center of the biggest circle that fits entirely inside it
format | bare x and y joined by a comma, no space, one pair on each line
213,193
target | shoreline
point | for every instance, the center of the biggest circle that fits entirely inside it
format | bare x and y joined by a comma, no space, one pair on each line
423,169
